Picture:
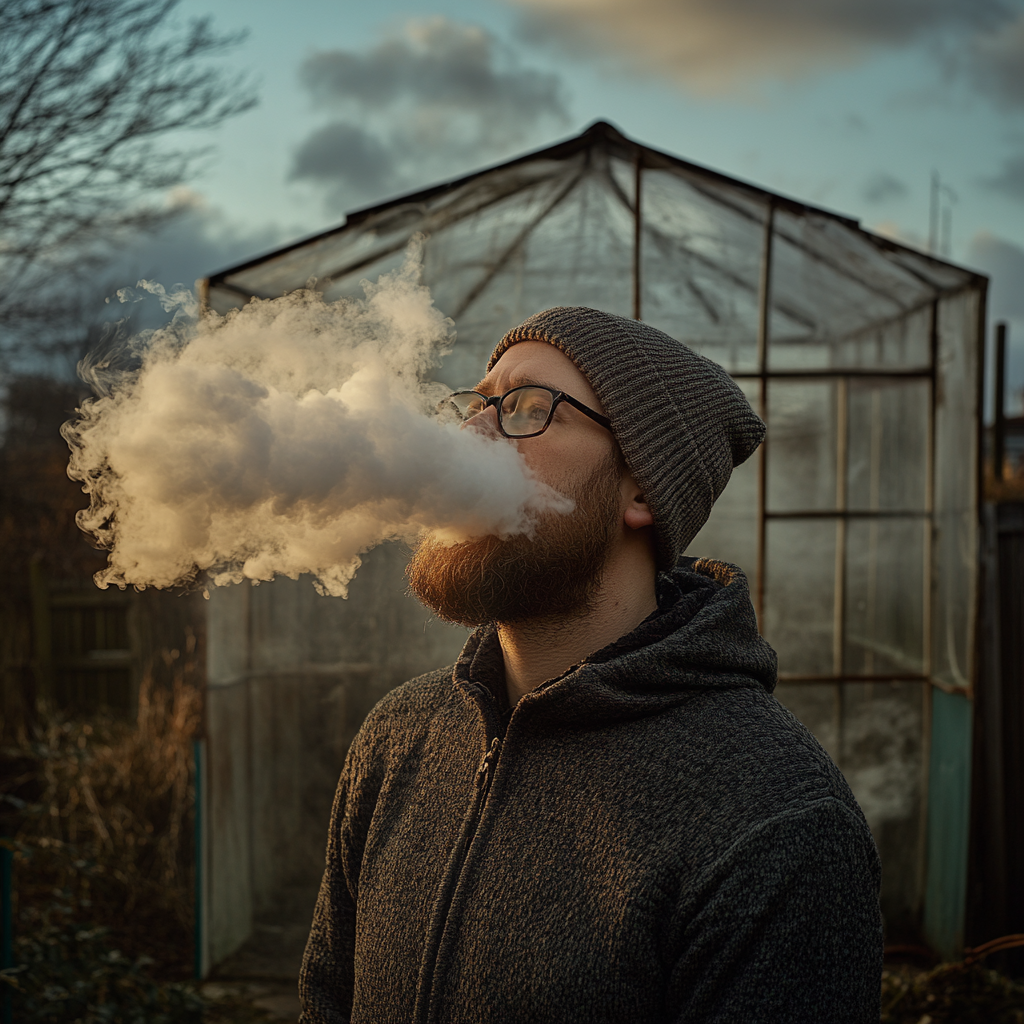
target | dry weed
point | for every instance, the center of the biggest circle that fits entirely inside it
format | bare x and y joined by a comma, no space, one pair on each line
1009,489
107,818
952,993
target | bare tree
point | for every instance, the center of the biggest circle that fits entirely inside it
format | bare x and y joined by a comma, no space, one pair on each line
89,90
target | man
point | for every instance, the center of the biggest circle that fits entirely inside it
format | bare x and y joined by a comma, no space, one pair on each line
600,813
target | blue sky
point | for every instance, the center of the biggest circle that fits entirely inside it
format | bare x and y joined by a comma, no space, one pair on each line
848,104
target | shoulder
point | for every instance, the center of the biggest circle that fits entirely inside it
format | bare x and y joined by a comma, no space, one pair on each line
417,696
750,761
822,854
750,726
406,712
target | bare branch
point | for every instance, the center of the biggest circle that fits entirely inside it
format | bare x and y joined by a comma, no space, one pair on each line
89,92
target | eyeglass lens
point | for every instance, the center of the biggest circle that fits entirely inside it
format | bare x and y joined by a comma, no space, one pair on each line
523,411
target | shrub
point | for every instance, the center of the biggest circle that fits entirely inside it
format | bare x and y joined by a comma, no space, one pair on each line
68,973
104,863
106,812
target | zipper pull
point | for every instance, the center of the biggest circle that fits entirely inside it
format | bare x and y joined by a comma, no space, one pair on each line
489,757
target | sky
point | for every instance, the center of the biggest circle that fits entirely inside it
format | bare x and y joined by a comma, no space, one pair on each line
852,105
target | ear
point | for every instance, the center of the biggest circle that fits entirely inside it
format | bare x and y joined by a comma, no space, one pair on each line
637,514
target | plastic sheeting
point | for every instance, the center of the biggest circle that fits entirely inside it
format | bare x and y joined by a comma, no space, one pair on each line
857,520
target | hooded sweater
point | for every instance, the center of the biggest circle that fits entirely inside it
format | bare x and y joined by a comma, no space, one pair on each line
648,837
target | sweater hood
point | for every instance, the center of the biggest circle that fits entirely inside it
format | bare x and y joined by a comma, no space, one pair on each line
703,637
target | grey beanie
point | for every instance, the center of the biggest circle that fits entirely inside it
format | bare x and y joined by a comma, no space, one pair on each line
680,420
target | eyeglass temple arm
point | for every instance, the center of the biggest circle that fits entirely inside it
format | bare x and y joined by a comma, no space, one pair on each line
595,416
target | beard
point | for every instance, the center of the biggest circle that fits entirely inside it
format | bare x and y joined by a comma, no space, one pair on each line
553,574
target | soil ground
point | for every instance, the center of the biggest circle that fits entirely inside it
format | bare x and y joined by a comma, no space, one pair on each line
264,972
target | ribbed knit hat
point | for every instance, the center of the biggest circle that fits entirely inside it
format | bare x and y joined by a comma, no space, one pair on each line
679,418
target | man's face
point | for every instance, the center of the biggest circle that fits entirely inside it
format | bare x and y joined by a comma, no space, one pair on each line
556,572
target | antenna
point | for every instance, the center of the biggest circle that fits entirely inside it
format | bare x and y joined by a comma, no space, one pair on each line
933,213
940,217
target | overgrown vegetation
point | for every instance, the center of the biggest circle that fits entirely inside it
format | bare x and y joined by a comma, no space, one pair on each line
104,863
1009,488
69,972
956,993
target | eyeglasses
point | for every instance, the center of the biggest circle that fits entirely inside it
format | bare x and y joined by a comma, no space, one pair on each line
525,411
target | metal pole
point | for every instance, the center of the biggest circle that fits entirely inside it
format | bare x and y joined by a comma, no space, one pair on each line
763,325
197,829
839,593
637,233
203,294
999,423
929,573
839,596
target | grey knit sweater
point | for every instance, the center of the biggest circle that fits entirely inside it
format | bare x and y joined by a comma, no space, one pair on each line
649,837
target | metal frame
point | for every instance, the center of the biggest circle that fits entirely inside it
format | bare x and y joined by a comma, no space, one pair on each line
611,143
842,514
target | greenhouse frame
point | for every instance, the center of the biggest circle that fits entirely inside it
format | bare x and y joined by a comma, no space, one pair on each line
856,522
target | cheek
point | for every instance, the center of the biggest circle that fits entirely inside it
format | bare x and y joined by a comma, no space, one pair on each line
542,462
563,462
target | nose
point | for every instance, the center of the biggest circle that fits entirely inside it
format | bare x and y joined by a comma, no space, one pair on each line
485,421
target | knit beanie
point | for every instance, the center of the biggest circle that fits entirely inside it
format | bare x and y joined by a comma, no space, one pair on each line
680,420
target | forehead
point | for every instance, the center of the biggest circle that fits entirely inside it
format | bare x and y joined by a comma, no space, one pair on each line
537,362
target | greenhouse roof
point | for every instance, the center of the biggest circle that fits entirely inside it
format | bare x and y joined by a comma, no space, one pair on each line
602,221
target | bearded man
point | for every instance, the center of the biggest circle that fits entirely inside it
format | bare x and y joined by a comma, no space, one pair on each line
599,813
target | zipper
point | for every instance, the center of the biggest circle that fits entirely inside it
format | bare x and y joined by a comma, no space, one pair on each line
484,775
482,788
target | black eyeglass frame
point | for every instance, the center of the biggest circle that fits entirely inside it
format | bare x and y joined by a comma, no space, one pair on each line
557,397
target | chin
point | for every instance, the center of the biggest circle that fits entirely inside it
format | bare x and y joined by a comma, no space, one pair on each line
554,573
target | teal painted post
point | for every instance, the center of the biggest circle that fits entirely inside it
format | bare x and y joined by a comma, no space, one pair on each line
949,789
197,828
7,927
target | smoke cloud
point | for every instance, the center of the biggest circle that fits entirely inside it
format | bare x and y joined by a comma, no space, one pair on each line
287,437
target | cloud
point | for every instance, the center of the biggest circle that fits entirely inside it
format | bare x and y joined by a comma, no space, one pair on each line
995,62
723,46
900,233
881,187
196,241
346,153
1004,263
430,100
1009,180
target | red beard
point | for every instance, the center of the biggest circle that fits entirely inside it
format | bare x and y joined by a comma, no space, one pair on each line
553,574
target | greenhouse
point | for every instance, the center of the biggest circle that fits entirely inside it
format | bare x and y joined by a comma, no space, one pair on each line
856,522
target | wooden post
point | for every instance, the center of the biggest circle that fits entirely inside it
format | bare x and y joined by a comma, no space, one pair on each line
42,641
999,395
